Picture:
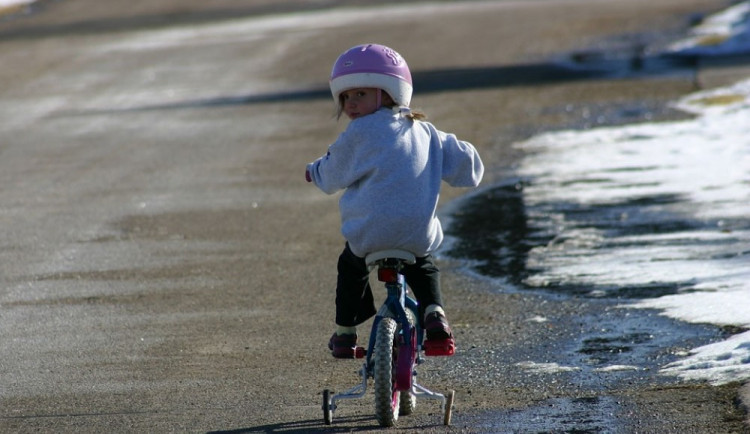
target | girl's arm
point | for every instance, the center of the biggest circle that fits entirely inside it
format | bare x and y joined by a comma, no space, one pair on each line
337,169
462,166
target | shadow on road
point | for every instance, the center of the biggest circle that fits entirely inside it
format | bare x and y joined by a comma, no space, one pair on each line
344,424
575,67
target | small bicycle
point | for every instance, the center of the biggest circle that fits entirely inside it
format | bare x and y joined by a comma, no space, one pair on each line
393,350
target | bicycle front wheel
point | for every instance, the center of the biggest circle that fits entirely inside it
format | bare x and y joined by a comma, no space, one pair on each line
384,359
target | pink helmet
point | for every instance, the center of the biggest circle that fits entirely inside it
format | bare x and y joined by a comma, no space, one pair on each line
372,65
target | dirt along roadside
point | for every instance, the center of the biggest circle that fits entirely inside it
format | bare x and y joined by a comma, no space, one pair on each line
166,268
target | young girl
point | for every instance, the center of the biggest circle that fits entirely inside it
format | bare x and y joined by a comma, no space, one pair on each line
390,163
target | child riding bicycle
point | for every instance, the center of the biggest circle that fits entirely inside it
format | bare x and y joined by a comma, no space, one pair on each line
390,162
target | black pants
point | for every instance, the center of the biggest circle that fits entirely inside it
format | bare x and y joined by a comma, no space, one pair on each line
354,299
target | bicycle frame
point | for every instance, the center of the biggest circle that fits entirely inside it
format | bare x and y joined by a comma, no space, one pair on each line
396,303
411,337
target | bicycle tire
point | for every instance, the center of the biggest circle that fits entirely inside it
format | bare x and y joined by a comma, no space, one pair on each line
387,398
407,404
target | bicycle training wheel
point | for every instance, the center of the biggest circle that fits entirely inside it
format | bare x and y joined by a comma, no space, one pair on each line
327,413
449,407
384,361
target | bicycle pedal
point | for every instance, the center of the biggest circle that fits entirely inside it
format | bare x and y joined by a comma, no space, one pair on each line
350,353
441,347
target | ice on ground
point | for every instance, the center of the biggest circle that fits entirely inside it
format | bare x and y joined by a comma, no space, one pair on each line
705,163
727,32
659,205
719,363
546,368
11,3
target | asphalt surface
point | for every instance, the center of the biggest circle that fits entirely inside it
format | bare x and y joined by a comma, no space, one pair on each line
164,267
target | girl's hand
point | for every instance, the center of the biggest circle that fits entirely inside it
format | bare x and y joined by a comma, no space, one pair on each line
307,176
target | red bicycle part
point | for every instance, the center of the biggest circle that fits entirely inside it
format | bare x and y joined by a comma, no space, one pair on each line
360,352
407,355
387,275
439,347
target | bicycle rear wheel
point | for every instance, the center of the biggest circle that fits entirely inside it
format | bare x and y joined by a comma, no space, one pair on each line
384,359
407,403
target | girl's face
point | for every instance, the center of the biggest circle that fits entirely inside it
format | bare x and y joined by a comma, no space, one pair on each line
362,101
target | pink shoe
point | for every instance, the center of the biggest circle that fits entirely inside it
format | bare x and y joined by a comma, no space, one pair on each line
345,347
436,326
439,340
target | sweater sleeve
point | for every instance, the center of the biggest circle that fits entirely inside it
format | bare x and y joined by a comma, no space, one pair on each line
462,166
337,169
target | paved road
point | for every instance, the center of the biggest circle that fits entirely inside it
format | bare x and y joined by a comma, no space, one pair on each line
163,265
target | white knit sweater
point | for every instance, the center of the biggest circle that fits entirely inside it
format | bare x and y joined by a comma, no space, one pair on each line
391,169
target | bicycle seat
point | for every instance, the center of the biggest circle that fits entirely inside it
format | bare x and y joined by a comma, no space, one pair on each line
405,256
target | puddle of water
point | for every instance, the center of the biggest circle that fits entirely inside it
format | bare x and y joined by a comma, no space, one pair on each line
560,415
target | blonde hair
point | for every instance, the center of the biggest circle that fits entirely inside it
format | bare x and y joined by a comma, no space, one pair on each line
415,115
